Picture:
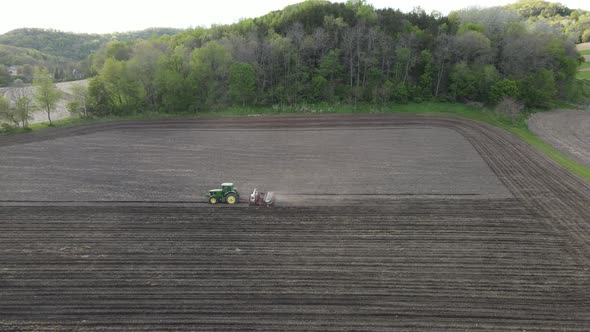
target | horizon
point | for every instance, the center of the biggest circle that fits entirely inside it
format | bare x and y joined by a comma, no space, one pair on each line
51,16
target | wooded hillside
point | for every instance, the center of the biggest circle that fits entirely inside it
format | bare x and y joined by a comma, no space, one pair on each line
575,23
318,51
60,52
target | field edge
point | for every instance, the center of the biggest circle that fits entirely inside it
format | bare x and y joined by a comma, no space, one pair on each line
518,128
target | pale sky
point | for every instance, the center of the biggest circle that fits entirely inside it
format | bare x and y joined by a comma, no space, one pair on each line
104,16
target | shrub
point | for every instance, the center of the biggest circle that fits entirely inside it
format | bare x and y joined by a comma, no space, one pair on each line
510,107
503,88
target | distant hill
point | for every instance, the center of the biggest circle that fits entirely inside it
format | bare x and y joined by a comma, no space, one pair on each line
73,46
63,53
13,55
574,22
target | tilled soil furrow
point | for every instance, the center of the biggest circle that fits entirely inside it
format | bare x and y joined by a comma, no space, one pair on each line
366,276
516,261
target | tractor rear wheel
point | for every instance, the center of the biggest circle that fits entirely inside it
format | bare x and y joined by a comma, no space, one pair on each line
231,199
213,200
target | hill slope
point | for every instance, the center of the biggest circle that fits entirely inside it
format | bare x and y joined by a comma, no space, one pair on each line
73,46
574,22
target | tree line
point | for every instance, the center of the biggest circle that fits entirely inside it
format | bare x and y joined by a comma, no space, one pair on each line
64,54
575,23
44,97
318,51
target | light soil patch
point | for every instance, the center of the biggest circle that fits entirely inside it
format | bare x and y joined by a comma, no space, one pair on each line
59,113
182,165
567,130
583,46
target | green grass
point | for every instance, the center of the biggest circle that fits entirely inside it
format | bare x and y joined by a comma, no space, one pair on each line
585,52
585,75
585,65
518,128
552,152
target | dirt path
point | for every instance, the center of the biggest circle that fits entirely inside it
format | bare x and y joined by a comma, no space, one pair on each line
515,263
567,130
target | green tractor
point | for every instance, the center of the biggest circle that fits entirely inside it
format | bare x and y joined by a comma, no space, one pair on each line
227,194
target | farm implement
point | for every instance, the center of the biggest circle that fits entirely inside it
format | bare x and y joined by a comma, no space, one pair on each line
230,195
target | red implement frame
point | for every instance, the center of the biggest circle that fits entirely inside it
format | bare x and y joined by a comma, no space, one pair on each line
262,199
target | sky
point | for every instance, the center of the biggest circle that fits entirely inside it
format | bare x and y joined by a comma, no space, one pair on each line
104,16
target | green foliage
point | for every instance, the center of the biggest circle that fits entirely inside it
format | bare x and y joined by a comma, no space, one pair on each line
5,77
574,23
510,107
17,116
401,93
330,66
384,92
69,56
463,82
209,71
504,88
318,51
72,46
7,114
46,94
74,108
119,51
539,8
24,106
470,26
126,93
79,105
173,88
319,88
18,56
100,101
242,83
488,75
538,90
427,78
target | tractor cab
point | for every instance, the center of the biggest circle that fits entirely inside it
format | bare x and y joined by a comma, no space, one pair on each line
227,194
227,187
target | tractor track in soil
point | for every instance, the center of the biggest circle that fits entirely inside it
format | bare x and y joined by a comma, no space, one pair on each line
520,263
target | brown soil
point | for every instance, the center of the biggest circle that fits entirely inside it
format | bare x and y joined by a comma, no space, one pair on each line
519,262
567,130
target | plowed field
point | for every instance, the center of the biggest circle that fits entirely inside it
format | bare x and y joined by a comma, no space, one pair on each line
386,222
567,130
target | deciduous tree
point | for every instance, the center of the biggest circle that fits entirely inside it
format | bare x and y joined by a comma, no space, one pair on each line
46,94
242,83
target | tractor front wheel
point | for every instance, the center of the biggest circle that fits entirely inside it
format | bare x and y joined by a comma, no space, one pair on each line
213,200
231,199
